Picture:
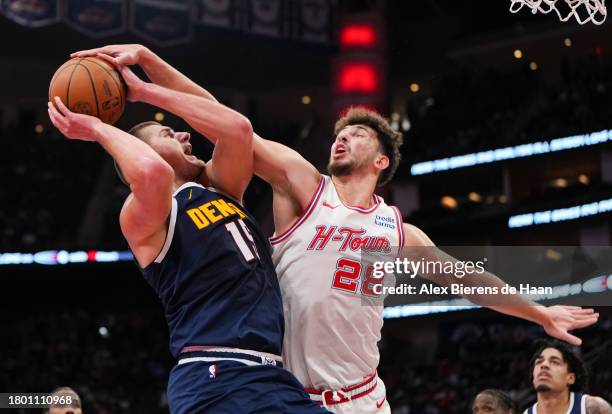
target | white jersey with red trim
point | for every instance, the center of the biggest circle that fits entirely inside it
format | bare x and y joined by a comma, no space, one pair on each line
330,334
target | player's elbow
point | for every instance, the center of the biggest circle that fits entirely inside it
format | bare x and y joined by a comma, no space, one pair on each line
244,130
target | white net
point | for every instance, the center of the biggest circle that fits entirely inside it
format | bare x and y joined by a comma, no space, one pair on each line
584,11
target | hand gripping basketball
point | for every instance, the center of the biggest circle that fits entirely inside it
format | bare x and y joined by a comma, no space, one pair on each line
122,54
72,125
135,85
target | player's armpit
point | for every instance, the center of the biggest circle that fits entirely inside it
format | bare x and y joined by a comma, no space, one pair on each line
285,170
597,405
416,237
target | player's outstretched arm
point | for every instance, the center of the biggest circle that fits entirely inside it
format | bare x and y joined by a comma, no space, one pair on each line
231,166
144,214
556,320
597,405
158,70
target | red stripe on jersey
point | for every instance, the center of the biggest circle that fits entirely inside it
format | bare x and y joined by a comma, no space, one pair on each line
309,209
400,228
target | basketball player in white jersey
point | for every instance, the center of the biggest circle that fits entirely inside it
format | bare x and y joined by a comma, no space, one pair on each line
559,378
322,222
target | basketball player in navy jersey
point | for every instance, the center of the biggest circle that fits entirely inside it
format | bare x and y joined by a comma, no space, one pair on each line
559,378
201,252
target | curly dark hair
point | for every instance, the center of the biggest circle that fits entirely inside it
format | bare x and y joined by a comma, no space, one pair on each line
571,357
390,140
503,399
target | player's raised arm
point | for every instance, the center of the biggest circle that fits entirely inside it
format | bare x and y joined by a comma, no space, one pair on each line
144,214
158,70
231,166
556,320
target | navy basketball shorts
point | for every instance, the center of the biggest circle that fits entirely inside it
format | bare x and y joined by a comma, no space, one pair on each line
225,386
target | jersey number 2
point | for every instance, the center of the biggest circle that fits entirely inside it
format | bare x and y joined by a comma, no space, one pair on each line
347,274
243,239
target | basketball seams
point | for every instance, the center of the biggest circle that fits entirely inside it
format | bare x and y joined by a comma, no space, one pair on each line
119,88
76,65
93,87
56,76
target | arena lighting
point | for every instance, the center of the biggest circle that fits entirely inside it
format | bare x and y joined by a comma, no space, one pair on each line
358,78
62,257
509,153
561,214
597,284
357,35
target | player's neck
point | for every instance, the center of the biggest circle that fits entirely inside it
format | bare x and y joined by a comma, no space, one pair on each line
178,182
355,189
553,403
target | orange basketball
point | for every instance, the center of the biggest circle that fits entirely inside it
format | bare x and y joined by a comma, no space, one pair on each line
90,86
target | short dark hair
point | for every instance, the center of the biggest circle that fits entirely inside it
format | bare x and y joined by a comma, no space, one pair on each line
390,140
574,362
65,392
506,402
136,131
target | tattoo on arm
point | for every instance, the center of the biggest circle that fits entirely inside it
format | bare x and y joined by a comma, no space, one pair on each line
597,405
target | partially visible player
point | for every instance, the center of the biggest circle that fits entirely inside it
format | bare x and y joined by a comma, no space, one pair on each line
491,401
201,252
559,378
71,402
321,224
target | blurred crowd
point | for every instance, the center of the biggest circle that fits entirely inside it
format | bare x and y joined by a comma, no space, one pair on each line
479,108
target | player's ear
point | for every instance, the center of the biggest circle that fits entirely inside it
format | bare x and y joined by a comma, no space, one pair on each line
381,162
571,379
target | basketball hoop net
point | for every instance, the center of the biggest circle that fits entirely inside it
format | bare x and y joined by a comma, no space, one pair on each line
584,11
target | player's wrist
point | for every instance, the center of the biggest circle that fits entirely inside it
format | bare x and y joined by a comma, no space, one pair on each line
142,92
145,57
541,315
99,132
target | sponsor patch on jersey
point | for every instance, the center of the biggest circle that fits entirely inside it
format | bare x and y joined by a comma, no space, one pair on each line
385,221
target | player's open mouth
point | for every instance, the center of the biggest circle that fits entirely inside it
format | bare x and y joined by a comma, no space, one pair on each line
340,150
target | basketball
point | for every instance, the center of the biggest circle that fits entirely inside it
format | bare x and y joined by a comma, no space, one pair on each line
90,86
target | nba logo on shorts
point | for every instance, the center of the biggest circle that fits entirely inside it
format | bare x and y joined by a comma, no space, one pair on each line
268,361
213,371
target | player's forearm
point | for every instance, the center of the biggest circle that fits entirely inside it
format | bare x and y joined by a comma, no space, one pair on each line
138,162
163,74
211,119
492,286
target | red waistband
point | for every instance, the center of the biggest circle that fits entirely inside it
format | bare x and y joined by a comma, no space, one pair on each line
331,397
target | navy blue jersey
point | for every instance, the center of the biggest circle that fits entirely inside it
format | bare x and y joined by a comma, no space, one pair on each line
215,276
577,405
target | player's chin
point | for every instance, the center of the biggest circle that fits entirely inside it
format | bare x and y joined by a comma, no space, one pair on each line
542,387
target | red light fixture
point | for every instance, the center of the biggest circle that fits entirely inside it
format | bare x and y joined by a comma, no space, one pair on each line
357,35
358,78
